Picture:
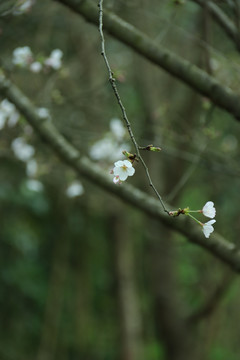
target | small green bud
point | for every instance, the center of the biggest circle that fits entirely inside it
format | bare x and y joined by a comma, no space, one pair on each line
154,148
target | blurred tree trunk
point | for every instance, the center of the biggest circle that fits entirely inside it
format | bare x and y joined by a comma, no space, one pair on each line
129,312
54,303
171,328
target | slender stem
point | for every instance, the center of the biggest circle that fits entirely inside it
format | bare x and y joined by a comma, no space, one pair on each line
124,114
199,222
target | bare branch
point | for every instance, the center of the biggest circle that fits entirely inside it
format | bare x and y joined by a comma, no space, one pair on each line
182,69
124,113
222,249
223,20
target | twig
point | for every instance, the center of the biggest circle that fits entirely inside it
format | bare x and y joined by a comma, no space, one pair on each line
124,114
218,246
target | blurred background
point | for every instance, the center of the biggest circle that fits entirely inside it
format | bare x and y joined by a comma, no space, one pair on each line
83,275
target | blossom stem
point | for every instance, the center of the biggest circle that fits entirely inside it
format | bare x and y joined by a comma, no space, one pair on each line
199,222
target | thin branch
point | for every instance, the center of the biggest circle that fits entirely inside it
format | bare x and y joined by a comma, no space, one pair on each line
180,68
123,110
222,249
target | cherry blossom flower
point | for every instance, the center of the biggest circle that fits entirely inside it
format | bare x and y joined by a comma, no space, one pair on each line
123,169
8,112
22,56
22,150
54,61
43,112
75,189
209,210
36,67
34,185
208,228
117,129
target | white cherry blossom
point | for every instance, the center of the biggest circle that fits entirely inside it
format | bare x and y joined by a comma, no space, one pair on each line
117,129
55,59
8,112
75,189
43,112
36,67
209,210
22,56
34,185
208,228
123,169
22,150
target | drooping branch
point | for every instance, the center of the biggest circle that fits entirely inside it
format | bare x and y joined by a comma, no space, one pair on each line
223,20
182,69
226,251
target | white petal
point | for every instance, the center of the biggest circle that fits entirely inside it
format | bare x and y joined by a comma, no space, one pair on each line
117,128
119,163
127,163
117,171
208,228
210,222
123,175
75,189
209,210
116,180
130,171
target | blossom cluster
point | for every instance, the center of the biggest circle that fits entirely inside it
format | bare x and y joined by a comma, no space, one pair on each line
25,152
209,211
109,148
8,114
24,58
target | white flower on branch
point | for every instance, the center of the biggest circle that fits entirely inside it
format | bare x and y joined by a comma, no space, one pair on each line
209,210
8,112
208,228
75,189
55,59
43,112
22,150
123,169
34,185
117,129
22,56
36,67
107,149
